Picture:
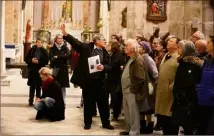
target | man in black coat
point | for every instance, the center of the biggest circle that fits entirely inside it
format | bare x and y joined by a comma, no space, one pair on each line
36,58
91,84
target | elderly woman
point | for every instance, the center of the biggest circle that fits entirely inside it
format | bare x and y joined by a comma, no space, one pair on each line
50,104
58,55
147,105
134,88
185,103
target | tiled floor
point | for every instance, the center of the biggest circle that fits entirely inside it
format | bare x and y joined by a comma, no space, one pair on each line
18,119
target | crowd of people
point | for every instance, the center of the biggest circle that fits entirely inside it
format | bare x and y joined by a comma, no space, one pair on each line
170,78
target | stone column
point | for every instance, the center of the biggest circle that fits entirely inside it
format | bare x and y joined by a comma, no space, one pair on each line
37,14
86,12
2,34
104,15
131,19
94,15
45,13
207,20
9,21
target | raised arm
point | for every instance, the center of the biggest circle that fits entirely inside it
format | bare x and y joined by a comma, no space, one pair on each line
76,44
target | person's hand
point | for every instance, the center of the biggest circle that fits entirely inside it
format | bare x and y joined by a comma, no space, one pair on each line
100,67
34,60
38,99
63,29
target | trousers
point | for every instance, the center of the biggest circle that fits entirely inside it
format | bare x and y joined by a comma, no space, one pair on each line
132,114
44,103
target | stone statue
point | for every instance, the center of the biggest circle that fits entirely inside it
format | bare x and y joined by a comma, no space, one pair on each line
28,31
124,18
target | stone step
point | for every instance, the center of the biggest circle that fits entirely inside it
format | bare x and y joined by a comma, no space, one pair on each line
6,80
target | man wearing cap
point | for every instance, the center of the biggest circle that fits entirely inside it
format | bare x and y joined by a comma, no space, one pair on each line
91,84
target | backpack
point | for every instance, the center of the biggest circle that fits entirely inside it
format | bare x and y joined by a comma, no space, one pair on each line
205,89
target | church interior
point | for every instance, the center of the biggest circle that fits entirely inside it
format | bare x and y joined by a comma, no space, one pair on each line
26,20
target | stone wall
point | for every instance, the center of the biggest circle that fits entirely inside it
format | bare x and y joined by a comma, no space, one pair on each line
180,16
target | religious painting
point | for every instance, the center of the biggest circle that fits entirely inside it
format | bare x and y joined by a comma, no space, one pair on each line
156,10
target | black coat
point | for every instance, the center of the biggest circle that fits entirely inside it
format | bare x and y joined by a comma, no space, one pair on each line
185,102
113,68
60,62
57,112
81,72
33,69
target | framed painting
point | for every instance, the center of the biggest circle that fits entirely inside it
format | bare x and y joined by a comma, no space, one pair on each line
156,10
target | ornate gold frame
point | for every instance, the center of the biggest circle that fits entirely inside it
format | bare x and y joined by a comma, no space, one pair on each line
156,19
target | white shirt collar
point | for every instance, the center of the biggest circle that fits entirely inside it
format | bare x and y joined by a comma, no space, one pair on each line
95,47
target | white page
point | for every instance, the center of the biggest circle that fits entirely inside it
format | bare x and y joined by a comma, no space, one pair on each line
92,63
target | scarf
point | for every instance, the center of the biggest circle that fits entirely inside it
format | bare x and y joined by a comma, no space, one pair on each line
46,83
59,46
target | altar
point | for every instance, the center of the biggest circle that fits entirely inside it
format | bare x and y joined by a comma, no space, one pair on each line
73,32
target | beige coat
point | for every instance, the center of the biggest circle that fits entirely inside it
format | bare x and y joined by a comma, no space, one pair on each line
164,92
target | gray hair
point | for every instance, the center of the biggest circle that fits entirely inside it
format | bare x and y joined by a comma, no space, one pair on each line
57,36
98,37
45,71
188,47
199,35
134,44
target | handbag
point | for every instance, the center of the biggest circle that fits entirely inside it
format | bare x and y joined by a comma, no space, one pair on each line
24,72
55,71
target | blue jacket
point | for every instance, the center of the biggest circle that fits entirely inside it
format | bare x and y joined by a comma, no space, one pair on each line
206,86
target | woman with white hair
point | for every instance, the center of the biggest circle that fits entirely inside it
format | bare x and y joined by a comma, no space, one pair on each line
50,104
185,102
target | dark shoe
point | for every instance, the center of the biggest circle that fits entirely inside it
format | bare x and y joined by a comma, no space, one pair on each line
87,127
110,127
94,115
124,133
79,106
157,127
142,126
30,104
148,129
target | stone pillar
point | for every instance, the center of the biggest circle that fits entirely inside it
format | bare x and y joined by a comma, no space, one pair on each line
86,12
9,21
104,15
37,14
131,19
207,20
2,34
94,8
45,13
